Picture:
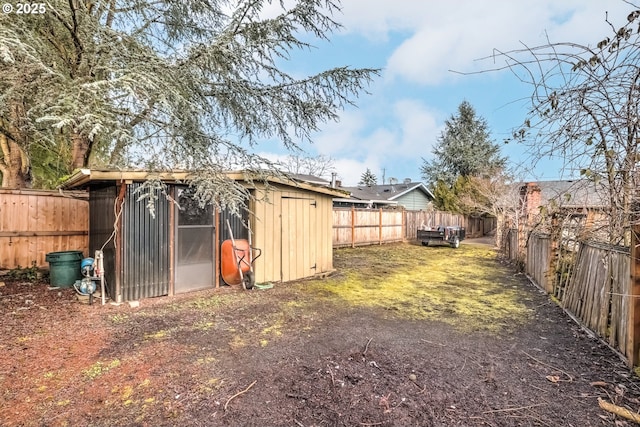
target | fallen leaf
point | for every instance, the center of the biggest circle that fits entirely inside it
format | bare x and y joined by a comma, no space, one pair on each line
553,378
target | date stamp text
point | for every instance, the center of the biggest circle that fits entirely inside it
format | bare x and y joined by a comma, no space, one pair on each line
24,8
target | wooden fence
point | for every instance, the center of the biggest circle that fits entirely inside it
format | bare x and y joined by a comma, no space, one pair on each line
414,219
598,289
590,280
35,222
539,249
358,227
510,248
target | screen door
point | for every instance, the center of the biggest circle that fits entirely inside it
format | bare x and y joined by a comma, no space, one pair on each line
194,244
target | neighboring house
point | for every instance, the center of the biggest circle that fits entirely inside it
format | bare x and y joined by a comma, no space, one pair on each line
414,196
578,205
176,250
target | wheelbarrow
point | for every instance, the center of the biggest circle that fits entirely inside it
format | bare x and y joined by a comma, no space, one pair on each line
236,261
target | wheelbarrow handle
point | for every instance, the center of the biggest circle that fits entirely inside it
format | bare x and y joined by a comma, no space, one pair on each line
257,256
240,256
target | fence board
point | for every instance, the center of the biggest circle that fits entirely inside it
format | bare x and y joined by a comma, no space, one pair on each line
591,280
511,245
416,219
597,292
35,222
537,265
359,227
355,227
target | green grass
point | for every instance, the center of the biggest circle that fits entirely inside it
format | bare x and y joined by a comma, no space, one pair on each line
464,287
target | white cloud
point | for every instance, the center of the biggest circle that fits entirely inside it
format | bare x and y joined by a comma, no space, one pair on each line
454,35
395,130
403,133
419,127
350,170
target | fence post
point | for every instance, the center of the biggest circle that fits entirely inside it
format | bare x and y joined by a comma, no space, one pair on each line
633,326
353,226
380,227
405,233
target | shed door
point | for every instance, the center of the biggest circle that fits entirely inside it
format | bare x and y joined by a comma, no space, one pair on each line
194,252
298,238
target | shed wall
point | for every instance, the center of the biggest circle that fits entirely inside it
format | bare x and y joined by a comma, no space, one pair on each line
102,218
145,247
293,228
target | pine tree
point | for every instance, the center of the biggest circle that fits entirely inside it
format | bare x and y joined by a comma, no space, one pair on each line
165,84
368,178
464,150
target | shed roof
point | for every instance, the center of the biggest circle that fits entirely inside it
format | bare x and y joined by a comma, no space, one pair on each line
311,179
82,177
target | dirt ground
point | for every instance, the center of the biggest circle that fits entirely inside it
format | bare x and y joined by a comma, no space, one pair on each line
400,335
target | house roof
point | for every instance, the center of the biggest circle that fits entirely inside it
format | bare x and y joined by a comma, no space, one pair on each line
386,193
580,193
82,177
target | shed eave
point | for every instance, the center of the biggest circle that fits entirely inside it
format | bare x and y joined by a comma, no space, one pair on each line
82,177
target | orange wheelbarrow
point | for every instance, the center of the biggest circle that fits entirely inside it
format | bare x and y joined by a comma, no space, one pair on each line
236,261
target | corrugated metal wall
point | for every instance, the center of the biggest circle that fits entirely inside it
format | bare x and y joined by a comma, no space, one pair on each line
238,225
101,221
145,247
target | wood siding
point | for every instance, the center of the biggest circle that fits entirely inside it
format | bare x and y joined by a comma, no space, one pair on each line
414,200
34,223
293,230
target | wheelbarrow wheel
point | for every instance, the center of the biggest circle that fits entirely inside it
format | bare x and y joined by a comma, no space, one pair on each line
456,243
248,280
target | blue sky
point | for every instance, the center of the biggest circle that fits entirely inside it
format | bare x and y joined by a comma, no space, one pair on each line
417,43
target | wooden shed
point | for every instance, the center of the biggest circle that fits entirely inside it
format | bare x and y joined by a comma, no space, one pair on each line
176,250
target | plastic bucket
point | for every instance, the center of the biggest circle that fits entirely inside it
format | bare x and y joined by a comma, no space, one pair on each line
64,268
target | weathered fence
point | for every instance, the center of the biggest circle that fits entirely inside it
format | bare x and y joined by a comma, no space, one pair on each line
539,249
598,289
415,219
510,242
34,223
478,226
358,227
590,280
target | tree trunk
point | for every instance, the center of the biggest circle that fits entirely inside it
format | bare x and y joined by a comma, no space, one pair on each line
81,147
14,164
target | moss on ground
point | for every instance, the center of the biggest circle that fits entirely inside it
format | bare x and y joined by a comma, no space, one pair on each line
465,287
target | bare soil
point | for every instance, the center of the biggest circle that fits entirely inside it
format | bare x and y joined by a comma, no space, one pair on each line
309,354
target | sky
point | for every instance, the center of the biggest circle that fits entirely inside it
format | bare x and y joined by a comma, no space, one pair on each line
433,55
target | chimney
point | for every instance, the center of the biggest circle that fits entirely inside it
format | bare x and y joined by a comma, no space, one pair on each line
532,199
334,175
